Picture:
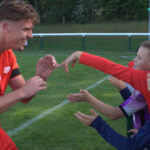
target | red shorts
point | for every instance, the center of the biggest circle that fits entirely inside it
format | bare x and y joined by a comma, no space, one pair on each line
6,142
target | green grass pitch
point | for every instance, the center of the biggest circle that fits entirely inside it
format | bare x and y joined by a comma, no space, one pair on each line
60,130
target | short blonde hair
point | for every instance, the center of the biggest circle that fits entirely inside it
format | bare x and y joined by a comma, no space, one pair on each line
16,10
145,44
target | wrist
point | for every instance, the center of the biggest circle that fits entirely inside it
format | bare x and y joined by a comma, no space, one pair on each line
78,54
20,95
89,98
44,78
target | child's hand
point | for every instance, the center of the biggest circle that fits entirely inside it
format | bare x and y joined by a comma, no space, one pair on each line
71,59
78,97
120,85
85,119
134,131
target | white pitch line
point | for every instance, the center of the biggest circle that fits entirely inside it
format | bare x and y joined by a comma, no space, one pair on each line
47,112
127,57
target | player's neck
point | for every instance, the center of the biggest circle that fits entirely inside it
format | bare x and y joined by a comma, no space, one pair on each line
3,45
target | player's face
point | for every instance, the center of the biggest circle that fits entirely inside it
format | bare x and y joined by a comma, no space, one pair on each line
19,33
142,60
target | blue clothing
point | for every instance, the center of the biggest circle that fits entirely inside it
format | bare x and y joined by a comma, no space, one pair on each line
125,93
130,88
140,141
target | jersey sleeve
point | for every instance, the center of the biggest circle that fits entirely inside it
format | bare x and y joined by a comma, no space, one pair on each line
133,104
14,61
137,78
15,73
131,64
15,66
137,142
125,93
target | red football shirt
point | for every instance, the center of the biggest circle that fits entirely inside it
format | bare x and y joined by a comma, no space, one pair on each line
7,64
6,142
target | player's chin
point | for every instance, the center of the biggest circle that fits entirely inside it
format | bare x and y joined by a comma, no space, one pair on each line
21,48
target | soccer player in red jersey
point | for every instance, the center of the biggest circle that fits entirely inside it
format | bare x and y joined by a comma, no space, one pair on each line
17,18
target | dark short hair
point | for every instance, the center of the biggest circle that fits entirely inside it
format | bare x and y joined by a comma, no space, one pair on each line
17,10
145,44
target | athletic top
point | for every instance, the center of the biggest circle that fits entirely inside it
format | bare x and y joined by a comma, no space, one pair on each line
137,78
131,64
6,142
8,69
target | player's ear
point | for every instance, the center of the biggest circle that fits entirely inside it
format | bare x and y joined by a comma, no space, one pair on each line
5,26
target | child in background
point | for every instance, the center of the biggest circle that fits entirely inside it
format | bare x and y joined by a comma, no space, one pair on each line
135,77
138,142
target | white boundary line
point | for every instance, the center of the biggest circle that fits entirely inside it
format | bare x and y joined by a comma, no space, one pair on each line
127,57
49,111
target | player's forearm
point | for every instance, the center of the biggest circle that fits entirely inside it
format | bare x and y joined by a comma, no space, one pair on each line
6,107
7,101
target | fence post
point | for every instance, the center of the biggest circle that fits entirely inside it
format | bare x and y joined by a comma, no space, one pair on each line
129,43
83,42
149,20
41,42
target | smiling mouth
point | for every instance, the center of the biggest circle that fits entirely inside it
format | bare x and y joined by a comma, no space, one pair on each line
24,42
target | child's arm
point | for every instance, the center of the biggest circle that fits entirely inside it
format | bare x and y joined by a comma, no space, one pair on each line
138,142
137,78
108,110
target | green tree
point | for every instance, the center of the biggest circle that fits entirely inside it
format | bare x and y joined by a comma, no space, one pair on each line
124,10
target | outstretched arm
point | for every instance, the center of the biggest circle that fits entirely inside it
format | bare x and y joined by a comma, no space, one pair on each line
137,78
106,109
138,142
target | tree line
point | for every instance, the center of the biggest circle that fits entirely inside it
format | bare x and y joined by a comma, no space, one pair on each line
90,11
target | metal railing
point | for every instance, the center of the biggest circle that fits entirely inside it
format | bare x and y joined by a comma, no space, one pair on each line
83,35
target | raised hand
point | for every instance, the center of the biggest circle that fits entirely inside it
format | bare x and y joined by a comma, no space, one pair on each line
86,119
71,59
45,66
32,86
120,85
78,97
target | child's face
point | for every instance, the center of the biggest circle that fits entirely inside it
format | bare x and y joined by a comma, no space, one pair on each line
142,60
